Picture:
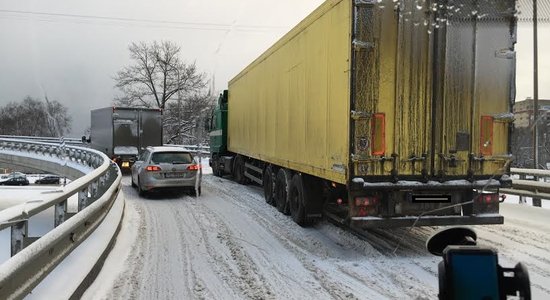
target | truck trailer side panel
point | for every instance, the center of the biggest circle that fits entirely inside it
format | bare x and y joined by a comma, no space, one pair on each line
101,130
291,106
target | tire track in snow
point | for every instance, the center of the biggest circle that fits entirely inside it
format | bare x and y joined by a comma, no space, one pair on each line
246,276
304,249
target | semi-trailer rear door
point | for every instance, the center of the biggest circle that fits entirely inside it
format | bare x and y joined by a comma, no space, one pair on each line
473,71
150,128
432,84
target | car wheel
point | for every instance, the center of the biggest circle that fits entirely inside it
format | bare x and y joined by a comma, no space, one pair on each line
133,183
141,191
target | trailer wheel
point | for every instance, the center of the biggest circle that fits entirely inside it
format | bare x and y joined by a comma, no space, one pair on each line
282,185
268,180
297,200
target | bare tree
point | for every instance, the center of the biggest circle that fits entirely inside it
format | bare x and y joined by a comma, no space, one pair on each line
32,117
184,119
157,76
57,118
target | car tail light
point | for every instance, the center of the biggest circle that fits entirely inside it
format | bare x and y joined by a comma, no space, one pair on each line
193,167
378,131
486,135
153,168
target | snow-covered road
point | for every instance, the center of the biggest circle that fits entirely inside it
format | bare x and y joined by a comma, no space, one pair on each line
229,244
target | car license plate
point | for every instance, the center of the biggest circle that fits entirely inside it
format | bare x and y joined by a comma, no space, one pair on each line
174,175
125,164
431,198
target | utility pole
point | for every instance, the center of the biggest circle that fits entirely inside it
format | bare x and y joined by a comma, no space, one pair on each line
536,201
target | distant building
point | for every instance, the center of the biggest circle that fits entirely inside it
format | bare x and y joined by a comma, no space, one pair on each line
524,110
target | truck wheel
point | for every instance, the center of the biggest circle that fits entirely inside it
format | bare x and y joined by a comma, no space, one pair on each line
282,185
268,185
297,200
216,167
238,170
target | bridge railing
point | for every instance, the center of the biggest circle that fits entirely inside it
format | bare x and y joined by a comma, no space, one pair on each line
529,184
67,140
96,182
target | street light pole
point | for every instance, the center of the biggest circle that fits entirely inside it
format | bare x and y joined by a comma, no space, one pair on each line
536,202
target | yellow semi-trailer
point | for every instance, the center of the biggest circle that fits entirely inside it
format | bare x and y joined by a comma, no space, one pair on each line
374,113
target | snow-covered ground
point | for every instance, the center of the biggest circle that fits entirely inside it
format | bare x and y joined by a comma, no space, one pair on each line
229,244
39,224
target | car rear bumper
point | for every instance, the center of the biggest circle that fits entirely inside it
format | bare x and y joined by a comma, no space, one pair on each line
149,183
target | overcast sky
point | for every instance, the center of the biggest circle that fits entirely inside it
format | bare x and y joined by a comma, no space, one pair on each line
70,49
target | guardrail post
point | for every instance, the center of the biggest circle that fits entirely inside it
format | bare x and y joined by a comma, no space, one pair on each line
103,183
94,190
522,199
18,233
60,213
82,199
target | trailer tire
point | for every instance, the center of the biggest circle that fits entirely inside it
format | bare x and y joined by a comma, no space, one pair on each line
282,185
268,183
297,201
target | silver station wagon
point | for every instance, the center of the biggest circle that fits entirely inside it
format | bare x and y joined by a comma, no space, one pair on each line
164,167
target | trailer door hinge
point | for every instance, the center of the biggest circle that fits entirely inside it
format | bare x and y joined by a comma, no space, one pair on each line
358,115
359,45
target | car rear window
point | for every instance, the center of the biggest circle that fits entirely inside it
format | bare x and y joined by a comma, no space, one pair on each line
172,158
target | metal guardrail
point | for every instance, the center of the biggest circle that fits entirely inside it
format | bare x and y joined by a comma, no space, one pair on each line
533,188
71,141
96,182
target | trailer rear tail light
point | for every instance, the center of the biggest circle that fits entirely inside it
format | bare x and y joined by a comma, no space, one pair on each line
378,128
486,136
193,167
366,201
153,168
489,198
